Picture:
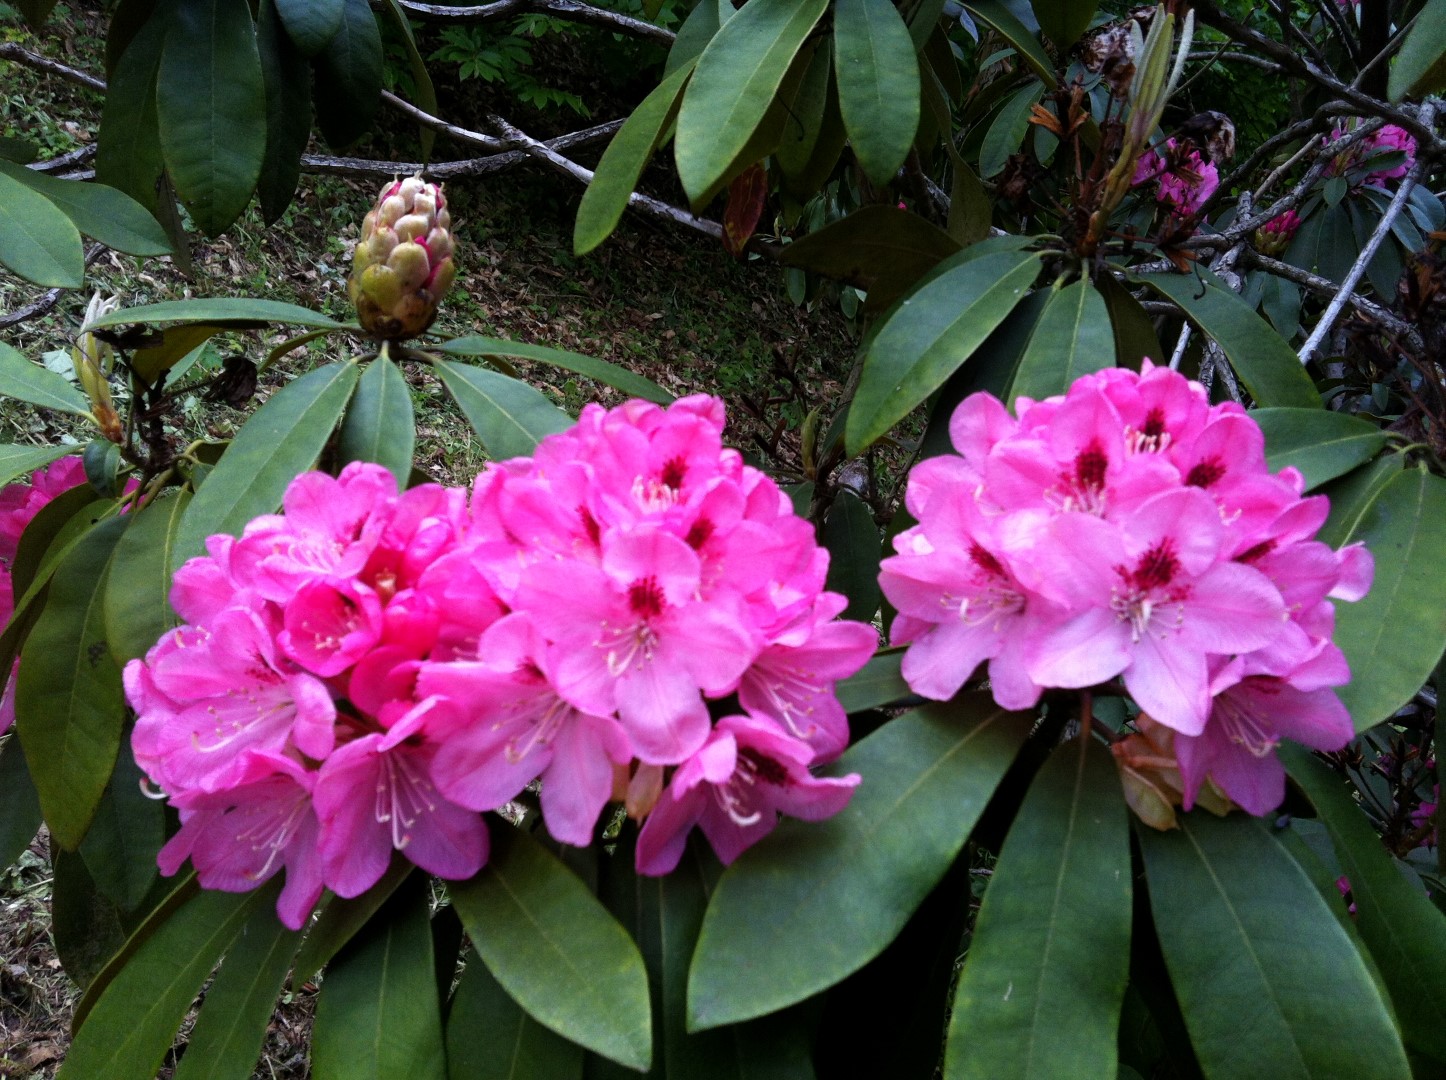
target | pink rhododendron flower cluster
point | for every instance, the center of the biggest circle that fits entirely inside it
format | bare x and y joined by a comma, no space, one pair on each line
1275,235
1130,530
1184,181
368,670
1387,139
19,503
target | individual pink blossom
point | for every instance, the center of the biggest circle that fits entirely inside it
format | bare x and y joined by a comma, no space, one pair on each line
1387,139
1128,535
734,788
1184,180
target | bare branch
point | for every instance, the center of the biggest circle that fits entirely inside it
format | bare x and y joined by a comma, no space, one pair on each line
1236,58
1392,322
65,163
10,51
574,10
1368,252
48,299
427,120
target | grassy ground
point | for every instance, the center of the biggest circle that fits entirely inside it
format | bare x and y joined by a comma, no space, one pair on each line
669,305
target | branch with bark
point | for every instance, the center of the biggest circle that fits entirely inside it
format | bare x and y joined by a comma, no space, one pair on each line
573,10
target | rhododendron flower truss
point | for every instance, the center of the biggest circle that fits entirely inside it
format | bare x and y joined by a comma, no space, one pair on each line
1128,537
369,671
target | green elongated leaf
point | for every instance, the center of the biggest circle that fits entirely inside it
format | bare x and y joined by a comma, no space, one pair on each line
137,592
1135,336
378,1015
1045,976
124,837
1265,363
852,540
1007,24
288,108
878,248
1420,66
218,310
737,77
69,706
21,379
878,84
311,24
37,240
695,33
805,114
1352,495
1321,444
380,425
1072,338
17,460
98,211
879,682
129,1027
815,901
19,151
85,924
489,1037
509,417
619,378
349,77
1063,21
341,919
212,110
1394,636
623,162
128,151
557,951
930,333
1403,930
226,1041
280,441
1258,963
19,805
970,208
1008,130
175,344
35,11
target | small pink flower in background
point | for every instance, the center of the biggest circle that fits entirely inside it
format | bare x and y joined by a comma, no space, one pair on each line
367,671
1387,139
1184,181
1131,531
1275,235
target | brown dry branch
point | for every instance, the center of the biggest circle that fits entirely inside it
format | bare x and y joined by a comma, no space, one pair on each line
562,9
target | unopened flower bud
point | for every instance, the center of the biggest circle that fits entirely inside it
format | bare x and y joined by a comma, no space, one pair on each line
403,262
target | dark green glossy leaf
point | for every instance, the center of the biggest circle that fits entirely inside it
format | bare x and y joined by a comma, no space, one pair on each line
814,901
69,706
137,593
1403,929
100,212
280,441
227,1038
124,837
806,114
1045,975
1321,444
879,682
101,460
37,240
1026,43
556,950
930,333
1420,67
1352,495
20,151
509,417
380,425
378,1016
21,379
1072,338
489,1037
288,106
619,378
1266,365
16,460
878,84
852,540
311,24
622,163
128,150
1063,21
1260,966
212,110
880,249
35,11
697,30
1135,337
1007,132
349,77
738,75
341,919
19,805
130,1025
221,310
1394,636
85,924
